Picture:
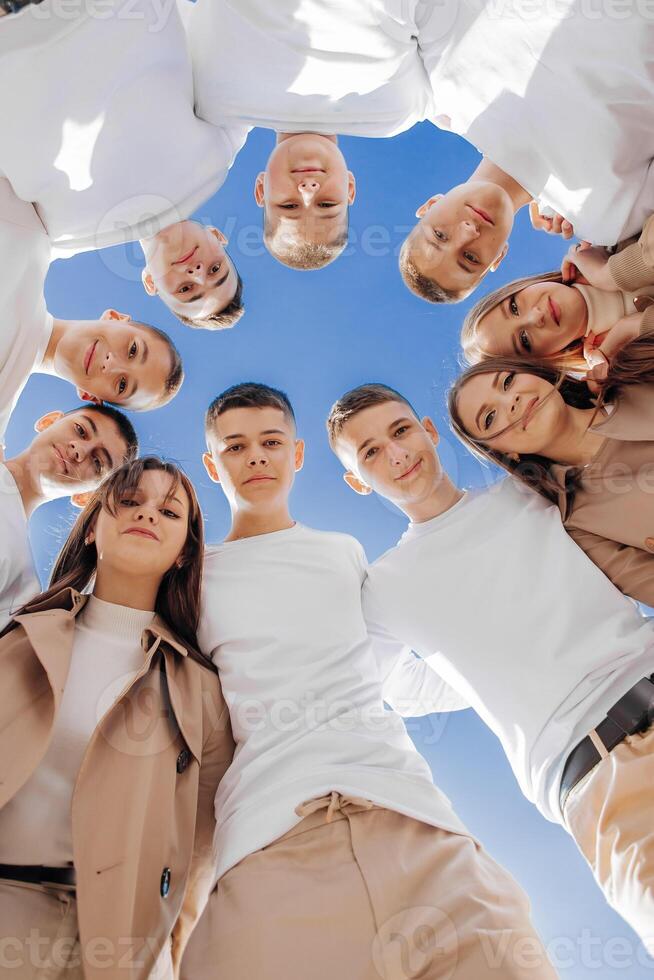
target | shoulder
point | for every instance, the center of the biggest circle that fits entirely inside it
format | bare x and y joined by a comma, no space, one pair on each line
632,417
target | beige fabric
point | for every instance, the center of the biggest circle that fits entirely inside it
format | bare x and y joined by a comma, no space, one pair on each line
144,797
610,814
366,894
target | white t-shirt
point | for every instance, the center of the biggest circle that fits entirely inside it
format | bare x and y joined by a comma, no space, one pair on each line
562,98
97,122
517,619
25,324
18,579
36,825
343,66
282,620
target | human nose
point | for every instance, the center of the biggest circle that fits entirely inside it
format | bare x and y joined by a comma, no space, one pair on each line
76,452
396,454
307,189
196,271
469,232
258,457
145,514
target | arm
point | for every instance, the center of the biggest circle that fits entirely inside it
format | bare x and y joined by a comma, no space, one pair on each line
217,755
633,267
630,569
414,688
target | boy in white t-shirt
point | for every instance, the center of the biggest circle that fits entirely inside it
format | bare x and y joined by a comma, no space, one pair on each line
70,456
514,616
113,359
331,835
309,71
559,101
98,131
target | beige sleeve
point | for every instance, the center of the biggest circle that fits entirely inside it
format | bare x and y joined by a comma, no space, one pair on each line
630,569
633,267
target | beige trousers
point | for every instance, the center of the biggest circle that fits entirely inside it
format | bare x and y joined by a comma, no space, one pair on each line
39,937
361,893
610,814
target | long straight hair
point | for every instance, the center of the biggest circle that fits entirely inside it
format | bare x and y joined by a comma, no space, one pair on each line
178,598
571,358
633,364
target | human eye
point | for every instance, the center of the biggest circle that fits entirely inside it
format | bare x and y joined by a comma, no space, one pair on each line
370,452
328,204
97,465
471,257
525,343
79,429
513,306
133,349
440,235
214,269
233,447
184,288
272,442
401,430
489,418
122,385
127,502
167,512
508,380
288,207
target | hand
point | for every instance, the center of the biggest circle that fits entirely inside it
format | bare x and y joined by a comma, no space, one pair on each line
590,264
557,225
600,350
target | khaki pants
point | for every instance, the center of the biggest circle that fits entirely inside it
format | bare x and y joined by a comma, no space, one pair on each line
366,894
610,814
39,938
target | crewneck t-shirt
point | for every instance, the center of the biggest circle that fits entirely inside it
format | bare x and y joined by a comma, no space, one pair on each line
98,128
350,66
282,620
18,579
36,825
517,619
25,324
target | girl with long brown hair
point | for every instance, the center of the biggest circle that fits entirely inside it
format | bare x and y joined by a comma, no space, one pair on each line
113,738
591,454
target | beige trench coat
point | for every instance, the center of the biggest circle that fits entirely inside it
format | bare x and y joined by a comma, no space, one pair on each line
143,804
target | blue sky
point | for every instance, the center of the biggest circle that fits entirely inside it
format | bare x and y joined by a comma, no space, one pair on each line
316,335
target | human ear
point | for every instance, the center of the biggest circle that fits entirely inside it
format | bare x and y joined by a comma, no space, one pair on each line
299,454
148,282
210,467
354,483
514,457
431,429
498,261
217,233
81,500
259,195
86,396
115,315
424,208
47,420
351,187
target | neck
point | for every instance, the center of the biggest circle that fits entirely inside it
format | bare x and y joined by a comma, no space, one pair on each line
136,592
28,483
576,444
444,494
487,170
248,524
59,328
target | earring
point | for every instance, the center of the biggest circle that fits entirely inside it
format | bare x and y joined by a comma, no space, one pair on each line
179,562
88,540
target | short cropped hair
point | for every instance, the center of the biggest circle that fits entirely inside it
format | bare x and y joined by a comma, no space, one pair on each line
222,319
248,394
355,401
125,428
175,376
422,285
304,256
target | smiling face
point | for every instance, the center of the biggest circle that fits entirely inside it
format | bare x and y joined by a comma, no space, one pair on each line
148,532
489,403
462,235
114,360
188,268
542,319
73,453
387,449
306,190
254,455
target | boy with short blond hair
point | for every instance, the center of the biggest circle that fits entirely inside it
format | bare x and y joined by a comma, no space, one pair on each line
558,663
331,834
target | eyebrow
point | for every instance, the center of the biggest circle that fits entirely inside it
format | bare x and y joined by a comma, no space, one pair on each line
107,455
266,432
484,406
144,353
366,442
218,283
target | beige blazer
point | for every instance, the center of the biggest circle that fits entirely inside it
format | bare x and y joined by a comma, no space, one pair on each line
612,514
143,805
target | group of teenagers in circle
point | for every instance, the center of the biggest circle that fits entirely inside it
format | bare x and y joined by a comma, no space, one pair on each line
204,770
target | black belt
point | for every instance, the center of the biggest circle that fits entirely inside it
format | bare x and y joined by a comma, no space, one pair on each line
13,6
633,713
37,874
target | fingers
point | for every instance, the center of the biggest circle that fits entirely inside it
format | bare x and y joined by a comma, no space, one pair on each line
569,270
555,225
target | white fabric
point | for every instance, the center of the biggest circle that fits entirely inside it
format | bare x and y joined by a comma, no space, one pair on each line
560,95
343,66
25,325
36,826
518,620
282,620
18,579
97,122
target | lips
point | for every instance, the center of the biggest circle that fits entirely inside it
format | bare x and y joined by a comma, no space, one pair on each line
185,258
142,532
88,357
555,310
259,479
529,411
62,459
482,214
410,471
308,170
